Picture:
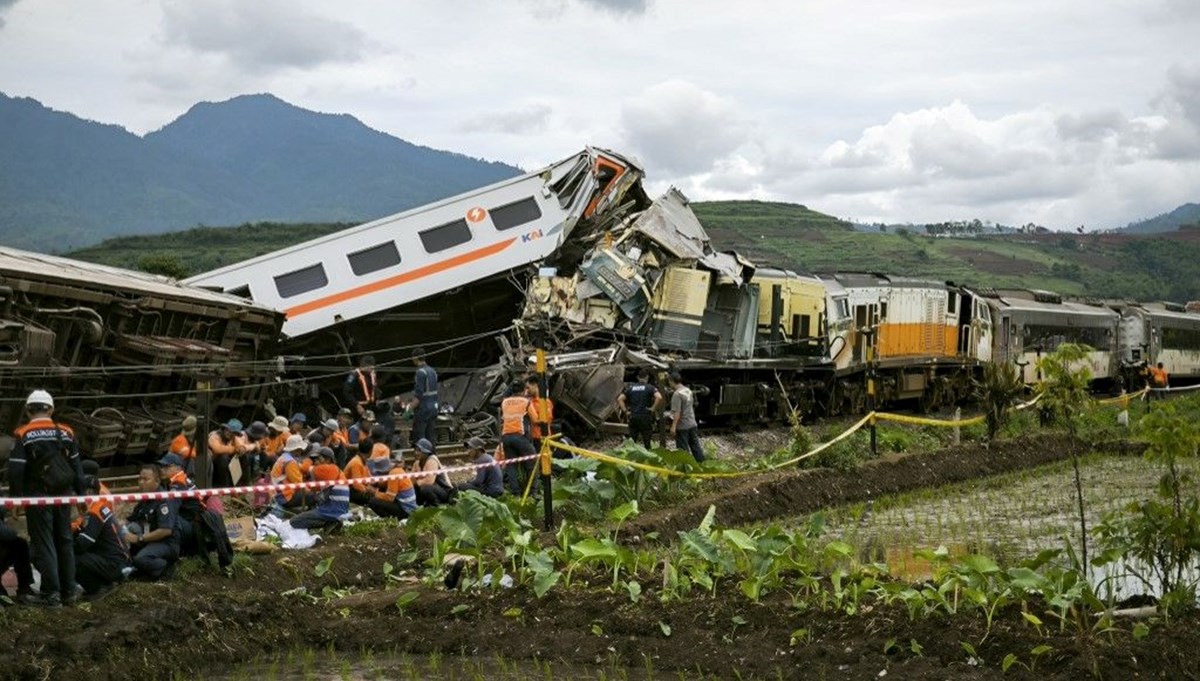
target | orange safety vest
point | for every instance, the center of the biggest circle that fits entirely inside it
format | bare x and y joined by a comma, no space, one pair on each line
535,416
182,447
356,468
1158,377
286,470
368,390
513,412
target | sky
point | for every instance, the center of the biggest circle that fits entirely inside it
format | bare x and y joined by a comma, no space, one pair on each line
1064,113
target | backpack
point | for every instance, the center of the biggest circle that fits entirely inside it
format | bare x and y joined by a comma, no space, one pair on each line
58,475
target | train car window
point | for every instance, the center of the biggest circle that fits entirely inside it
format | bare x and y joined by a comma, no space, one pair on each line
301,281
375,258
952,302
1050,337
516,214
1181,339
883,311
446,236
804,326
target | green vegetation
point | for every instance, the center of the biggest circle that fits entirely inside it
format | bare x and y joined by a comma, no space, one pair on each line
796,237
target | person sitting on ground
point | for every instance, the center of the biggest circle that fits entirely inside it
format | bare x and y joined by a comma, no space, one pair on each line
357,468
253,459
92,467
101,552
488,481
298,425
287,470
201,527
153,531
277,436
362,428
332,502
435,488
380,448
184,444
224,443
14,553
332,438
395,498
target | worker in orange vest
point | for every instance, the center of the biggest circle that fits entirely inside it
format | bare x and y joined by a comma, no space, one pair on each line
101,552
287,470
541,412
184,444
361,385
516,422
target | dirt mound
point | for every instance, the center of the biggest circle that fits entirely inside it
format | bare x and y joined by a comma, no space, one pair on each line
777,494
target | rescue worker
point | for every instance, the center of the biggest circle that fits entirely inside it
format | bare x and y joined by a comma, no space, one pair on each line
101,553
92,467
379,443
278,434
541,412
224,443
489,481
684,426
1159,380
434,488
360,386
424,404
287,470
153,530
333,438
362,428
357,468
298,425
345,419
640,401
14,553
184,444
45,462
515,423
201,529
332,502
395,498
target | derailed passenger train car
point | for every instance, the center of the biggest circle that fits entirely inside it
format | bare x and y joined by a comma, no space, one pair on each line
123,352
1159,332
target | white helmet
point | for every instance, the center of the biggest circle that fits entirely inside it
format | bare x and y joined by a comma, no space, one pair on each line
39,397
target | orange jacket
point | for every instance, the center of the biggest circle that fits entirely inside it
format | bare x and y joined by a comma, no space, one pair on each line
286,470
357,468
540,427
388,490
273,446
182,447
515,415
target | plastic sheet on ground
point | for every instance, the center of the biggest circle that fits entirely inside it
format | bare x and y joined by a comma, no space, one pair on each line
289,537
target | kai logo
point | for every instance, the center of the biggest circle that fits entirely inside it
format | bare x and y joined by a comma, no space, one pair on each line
535,234
476,214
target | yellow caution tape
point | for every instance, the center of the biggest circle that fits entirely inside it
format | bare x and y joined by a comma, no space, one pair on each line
1123,398
919,421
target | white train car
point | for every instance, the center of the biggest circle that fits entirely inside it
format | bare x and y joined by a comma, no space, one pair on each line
1029,324
1161,332
410,256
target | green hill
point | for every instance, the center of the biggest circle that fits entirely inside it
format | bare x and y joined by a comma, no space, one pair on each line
1161,267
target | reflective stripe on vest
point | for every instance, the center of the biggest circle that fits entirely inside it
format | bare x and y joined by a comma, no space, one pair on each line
367,391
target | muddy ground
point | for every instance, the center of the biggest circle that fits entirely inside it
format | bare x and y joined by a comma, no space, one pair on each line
203,625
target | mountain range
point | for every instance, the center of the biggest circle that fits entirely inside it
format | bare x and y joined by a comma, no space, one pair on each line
66,182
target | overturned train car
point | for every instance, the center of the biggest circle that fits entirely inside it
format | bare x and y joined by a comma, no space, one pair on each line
123,352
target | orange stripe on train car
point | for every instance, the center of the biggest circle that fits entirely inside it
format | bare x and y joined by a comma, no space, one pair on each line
402,278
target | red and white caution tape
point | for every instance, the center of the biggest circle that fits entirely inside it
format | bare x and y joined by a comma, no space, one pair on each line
246,489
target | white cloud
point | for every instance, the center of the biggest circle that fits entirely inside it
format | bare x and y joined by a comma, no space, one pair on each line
532,118
262,35
678,128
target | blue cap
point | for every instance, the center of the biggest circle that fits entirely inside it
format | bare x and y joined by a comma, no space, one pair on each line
299,417
234,425
425,446
171,460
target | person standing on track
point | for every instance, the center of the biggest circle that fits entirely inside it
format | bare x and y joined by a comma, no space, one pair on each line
45,462
424,403
641,401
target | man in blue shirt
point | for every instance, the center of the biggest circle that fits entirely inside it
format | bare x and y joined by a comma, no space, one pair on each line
488,479
424,405
156,546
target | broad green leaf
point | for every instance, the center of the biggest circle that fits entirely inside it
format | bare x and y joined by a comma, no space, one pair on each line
459,609
387,568
981,564
1140,631
405,599
513,612
740,539
707,523
323,566
1025,579
635,590
836,549
620,513
1009,659
1041,650
697,543
544,581
594,548
916,648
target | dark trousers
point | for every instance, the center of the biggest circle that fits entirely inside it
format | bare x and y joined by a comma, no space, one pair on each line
432,495
313,520
387,509
424,420
153,559
361,497
221,477
52,547
516,474
14,553
641,428
688,440
95,572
